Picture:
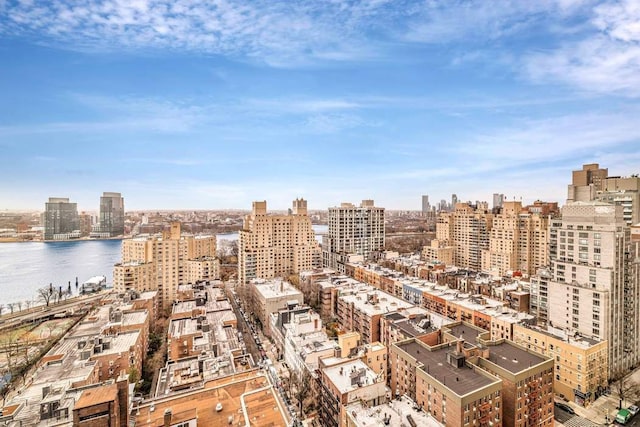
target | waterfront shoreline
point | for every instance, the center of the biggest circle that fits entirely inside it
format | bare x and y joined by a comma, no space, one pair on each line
81,239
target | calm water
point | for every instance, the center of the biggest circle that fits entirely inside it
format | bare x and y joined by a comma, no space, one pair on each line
26,267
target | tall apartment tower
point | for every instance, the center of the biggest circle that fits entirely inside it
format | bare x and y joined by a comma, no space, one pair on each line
112,214
467,230
272,246
498,200
592,289
593,183
60,218
353,230
454,201
169,258
518,241
426,207
586,182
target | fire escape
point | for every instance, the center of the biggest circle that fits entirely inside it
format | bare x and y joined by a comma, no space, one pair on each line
533,402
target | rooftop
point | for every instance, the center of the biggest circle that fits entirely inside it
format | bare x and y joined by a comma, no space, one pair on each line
375,302
461,381
513,358
397,412
468,333
247,398
276,289
560,334
95,396
342,375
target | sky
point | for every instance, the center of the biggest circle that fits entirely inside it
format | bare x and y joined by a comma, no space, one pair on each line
186,104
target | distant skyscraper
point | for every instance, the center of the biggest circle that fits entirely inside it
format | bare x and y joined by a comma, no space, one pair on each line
112,214
353,231
498,199
60,219
454,200
426,207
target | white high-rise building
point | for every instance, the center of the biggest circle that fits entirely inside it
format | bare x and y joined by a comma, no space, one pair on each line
353,230
593,290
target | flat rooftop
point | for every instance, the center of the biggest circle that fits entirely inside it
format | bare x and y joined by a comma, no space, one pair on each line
397,411
340,375
411,329
137,317
366,302
247,399
183,327
98,395
460,380
561,335
513,358
468,333
277,289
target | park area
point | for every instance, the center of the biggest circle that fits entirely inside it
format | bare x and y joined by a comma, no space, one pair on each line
20,346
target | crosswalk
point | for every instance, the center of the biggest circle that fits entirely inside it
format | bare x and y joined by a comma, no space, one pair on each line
576,421
569,420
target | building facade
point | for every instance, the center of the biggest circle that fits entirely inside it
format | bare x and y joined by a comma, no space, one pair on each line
61,219
169,256
580,363
593,291
518,241
271,246
353,230
112,214
467,229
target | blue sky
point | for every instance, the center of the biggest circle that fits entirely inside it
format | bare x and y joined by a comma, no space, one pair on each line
212,104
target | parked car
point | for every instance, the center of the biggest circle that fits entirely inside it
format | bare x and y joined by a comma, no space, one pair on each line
565,407
633,409
623,416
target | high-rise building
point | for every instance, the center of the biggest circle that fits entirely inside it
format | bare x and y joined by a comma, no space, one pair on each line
172,257
498,200
467,230
593,290
586,182
61,219
623,191
112,214
353,230
454,201
426,207
518,241
593,183
271,246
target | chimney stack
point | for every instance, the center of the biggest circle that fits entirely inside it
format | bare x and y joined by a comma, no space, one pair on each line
167,417
460,345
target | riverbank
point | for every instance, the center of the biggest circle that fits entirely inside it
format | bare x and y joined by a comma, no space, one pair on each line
80,239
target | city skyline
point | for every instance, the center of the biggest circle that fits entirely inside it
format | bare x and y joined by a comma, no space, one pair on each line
213,106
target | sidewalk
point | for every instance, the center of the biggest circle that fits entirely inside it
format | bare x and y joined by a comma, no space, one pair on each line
597,412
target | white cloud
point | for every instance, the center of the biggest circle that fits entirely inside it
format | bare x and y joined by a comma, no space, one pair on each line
606,61
280,33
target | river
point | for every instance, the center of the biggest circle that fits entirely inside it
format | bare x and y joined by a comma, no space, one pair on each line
27,266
